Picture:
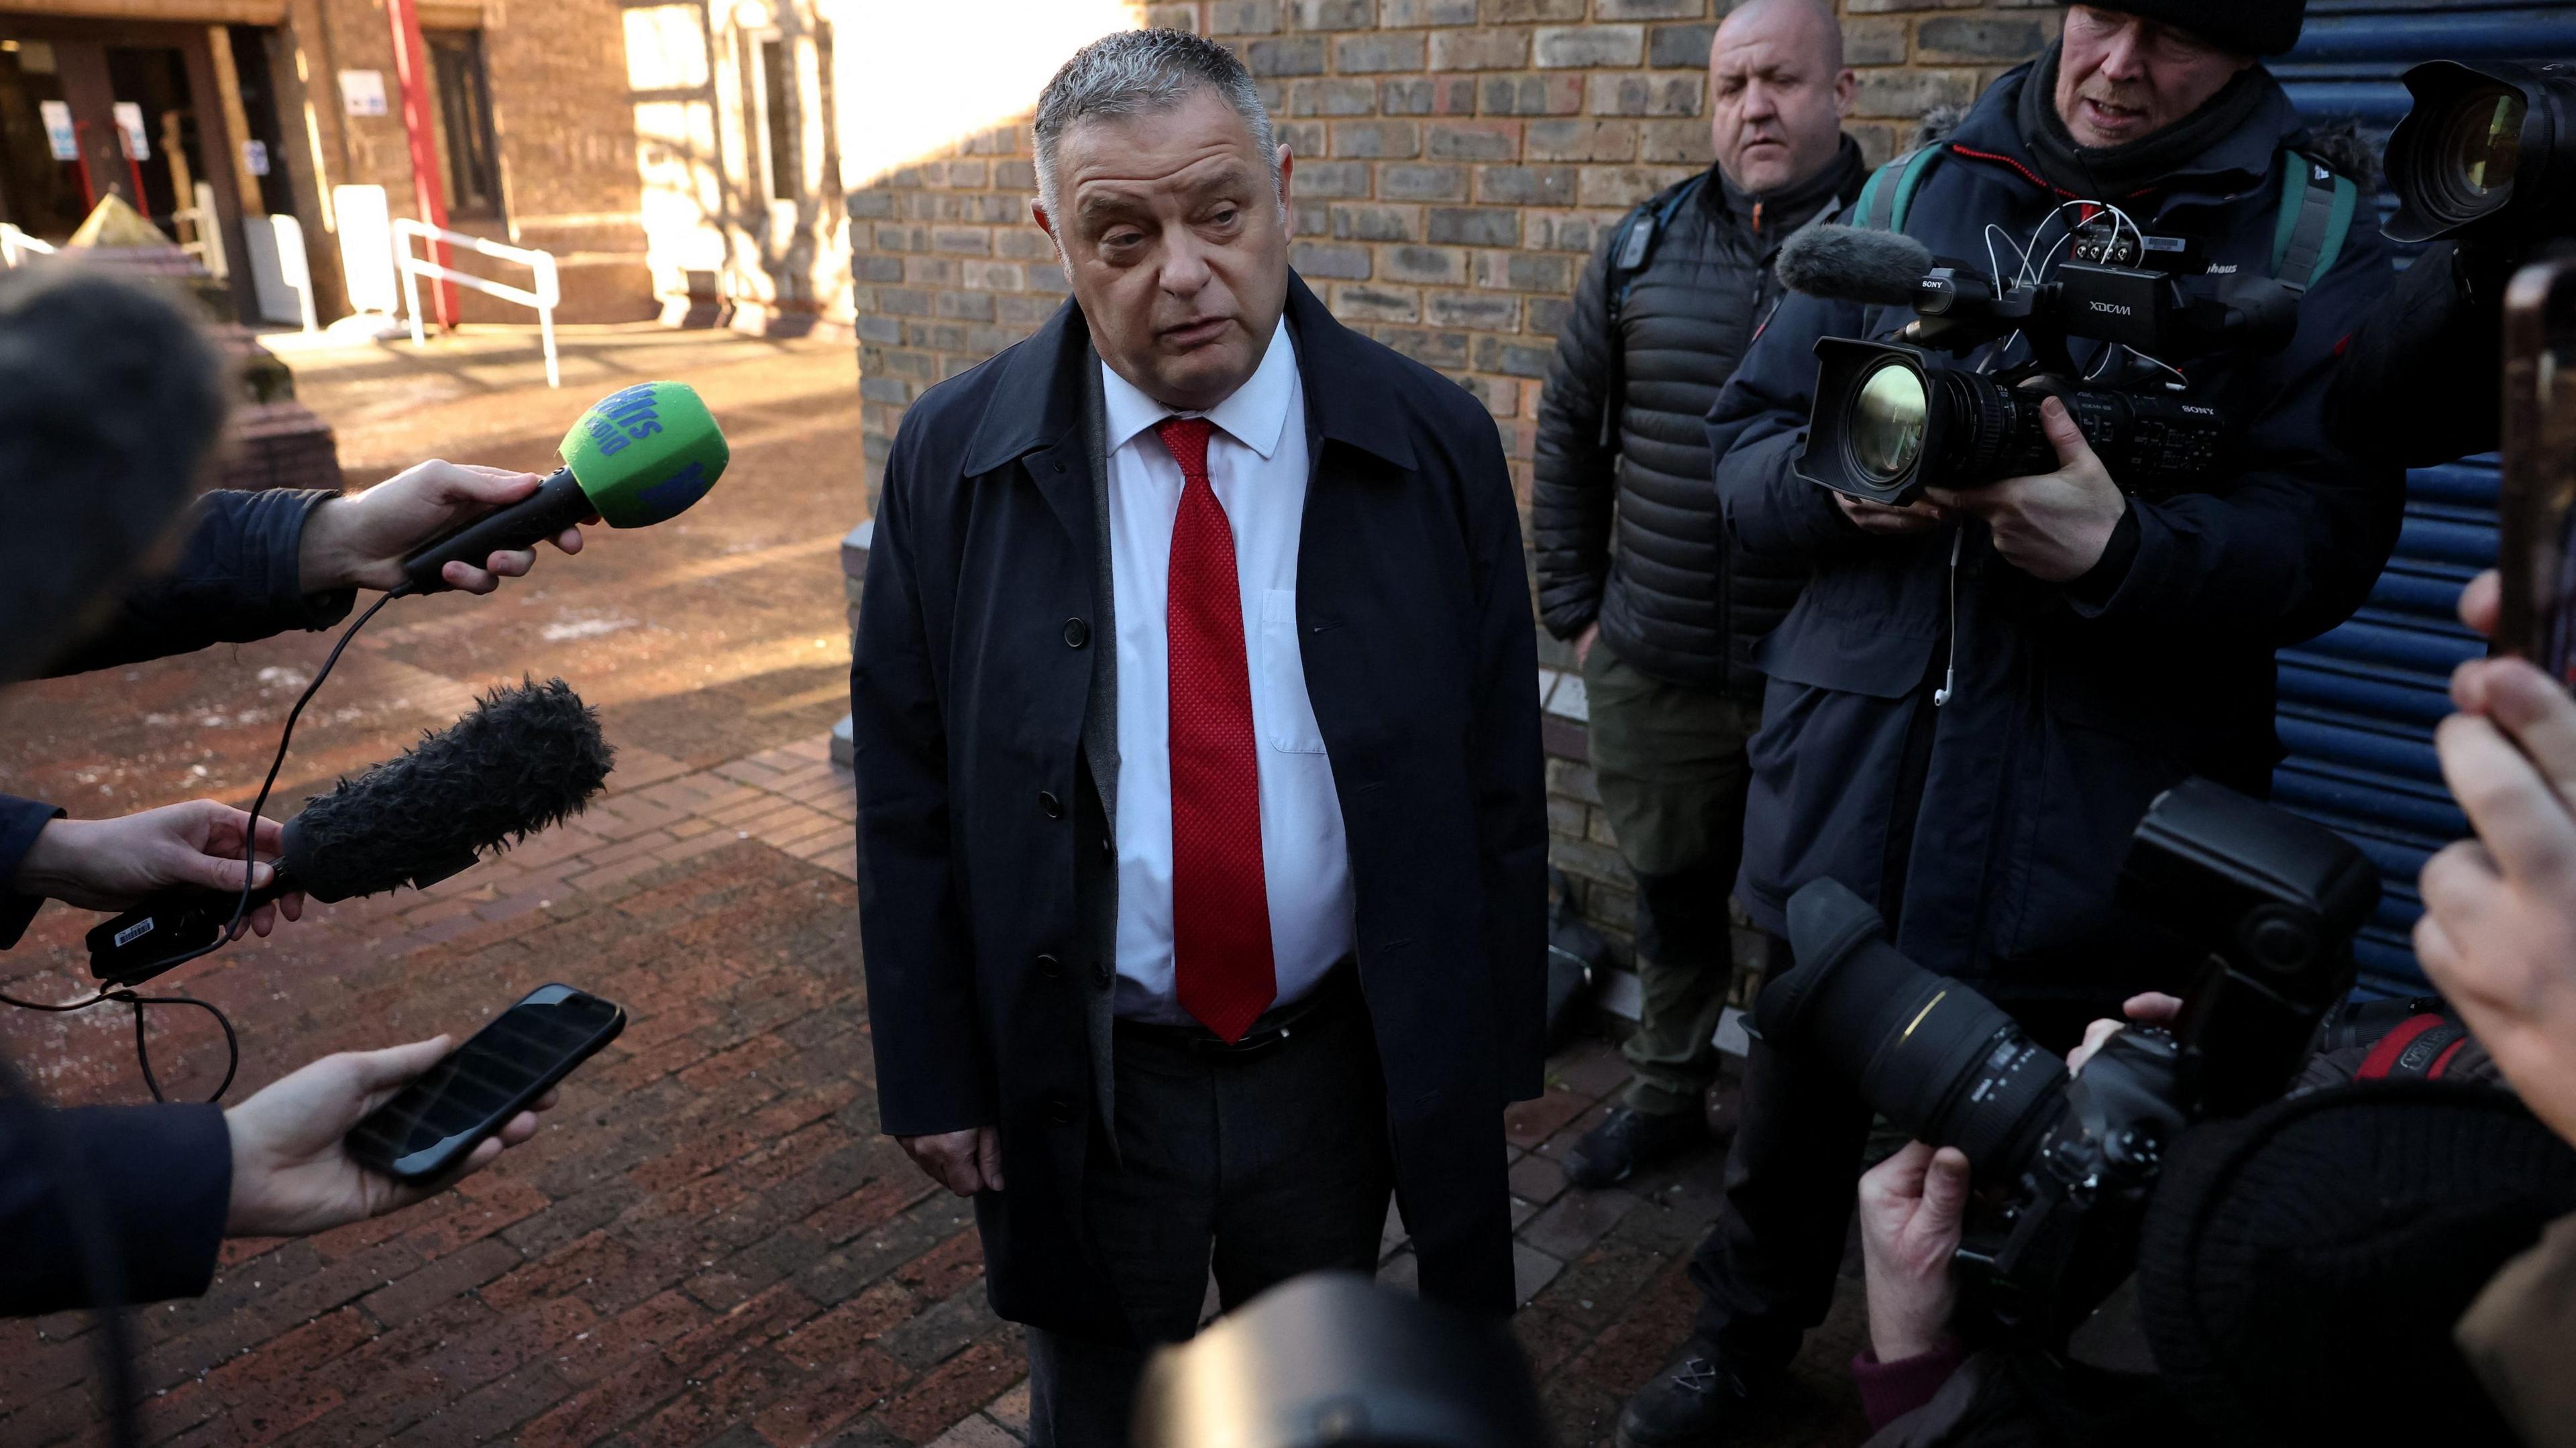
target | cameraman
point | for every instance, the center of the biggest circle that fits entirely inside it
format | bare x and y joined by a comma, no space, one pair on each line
252,565
1978,696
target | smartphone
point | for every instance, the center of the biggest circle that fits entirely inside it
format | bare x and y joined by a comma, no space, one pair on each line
2536,513
429,1126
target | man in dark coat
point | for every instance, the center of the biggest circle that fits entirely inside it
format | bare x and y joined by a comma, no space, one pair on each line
1978,695
1175,950
1665,623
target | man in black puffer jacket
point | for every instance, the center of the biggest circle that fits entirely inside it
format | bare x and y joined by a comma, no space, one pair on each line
1664,623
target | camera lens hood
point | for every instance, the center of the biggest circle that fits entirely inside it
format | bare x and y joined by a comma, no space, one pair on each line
1827,923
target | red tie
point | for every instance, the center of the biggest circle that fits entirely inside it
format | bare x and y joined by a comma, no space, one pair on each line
1220,906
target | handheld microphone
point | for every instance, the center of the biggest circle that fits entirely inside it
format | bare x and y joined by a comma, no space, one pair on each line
1854,264
635,458
525,758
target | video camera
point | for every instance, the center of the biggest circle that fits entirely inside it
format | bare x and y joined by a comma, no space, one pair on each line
2266,902
1890,420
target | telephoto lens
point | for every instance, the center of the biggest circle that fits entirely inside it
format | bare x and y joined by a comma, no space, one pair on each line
1935,1057
1889,422
2487,152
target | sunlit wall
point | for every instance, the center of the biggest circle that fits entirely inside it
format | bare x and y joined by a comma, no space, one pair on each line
914,76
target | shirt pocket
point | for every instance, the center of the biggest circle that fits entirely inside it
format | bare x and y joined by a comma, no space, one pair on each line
1288,724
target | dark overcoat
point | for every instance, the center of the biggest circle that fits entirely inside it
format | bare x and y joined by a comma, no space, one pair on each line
971,689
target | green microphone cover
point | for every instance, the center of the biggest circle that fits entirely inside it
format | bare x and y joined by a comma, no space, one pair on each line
645,453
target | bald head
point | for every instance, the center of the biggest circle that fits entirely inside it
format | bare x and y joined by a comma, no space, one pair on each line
1778,93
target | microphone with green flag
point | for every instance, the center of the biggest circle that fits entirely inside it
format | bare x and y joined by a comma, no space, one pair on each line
638,456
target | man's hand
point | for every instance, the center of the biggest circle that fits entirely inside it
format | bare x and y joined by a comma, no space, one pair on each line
2152,1008
1911,1207
1887,521
2052,526
360,541
292,1173
1584,641
965,1162
114,864
2498,934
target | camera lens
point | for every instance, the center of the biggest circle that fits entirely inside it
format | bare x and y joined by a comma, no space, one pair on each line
2480,145
1927,1052
1887,419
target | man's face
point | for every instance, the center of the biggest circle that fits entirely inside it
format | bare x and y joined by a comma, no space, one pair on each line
2122,77
1777,100
1176,246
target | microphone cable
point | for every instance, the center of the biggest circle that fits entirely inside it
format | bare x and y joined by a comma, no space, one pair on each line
126,995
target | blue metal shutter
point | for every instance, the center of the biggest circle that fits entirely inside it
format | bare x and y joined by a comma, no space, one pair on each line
2358,705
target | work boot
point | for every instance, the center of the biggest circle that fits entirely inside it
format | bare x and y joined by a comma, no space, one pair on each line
1693,1403
1628,1139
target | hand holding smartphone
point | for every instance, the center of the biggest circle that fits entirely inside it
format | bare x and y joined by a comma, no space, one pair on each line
433,1124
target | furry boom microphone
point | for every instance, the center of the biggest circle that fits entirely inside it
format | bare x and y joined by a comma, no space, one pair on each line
526,758
1852,264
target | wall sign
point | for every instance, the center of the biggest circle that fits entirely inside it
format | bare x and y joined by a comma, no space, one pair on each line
362,92
129,120
59,134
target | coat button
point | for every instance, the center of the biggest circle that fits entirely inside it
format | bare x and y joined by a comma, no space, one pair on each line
1076,633
1053,806
1060,1109
1050,967
1107,973
1108,848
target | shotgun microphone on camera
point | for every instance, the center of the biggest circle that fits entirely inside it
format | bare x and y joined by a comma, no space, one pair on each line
1854,264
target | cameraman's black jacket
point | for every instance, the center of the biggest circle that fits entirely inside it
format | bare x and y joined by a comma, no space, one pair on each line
1672,603
1991,830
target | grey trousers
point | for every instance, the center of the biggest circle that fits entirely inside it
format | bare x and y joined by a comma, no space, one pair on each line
1261,1167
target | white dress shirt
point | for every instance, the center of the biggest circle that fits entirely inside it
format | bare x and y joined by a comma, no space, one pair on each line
1256,465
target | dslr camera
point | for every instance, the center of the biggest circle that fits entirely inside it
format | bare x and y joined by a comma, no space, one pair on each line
1890,419
2262,907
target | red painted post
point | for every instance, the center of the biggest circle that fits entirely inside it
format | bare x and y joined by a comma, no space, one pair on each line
411,70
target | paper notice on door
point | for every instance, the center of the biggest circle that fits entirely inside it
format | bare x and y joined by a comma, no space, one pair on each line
129,122
58,129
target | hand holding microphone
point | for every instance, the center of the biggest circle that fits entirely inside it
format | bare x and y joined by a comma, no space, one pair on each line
360,541
637,457
111,864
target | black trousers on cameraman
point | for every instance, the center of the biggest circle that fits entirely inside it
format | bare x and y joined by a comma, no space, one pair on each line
1766,1268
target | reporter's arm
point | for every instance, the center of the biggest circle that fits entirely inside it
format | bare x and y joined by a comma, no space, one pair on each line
1912,1208
238,579
2292,544
259,564
21,821
158,1178
113,864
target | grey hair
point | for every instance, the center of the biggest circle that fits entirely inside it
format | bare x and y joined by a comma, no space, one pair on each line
1145,73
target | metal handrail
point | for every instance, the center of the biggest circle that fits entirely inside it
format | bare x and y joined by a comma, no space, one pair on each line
545,298
16,245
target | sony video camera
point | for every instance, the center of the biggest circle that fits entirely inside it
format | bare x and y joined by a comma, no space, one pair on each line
2267,901
2487,152
1890,419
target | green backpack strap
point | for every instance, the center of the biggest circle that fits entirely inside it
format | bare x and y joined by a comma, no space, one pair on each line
2316,215
1889,193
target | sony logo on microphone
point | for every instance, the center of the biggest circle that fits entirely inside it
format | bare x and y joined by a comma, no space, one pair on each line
2114,308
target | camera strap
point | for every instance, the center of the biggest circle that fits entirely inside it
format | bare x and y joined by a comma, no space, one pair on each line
1632,247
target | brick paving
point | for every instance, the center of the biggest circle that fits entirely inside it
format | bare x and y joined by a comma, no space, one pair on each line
709,1243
